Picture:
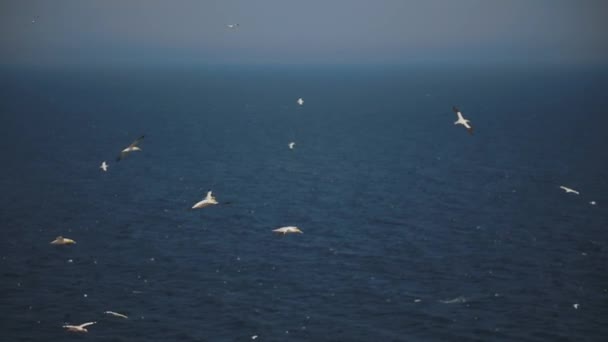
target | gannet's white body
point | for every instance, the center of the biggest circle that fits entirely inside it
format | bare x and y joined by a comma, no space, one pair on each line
78,328
207,201
568,190
462,121
288,230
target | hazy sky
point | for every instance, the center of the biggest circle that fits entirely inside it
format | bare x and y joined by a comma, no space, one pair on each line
303,31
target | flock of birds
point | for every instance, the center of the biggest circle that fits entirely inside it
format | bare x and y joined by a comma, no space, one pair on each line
207,201
210,200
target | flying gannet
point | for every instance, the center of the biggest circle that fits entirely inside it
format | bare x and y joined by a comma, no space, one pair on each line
131,148
232,26
104,166
207,201
115,314
288,230
462,121
568,190
301,101
60,240
78,328
292,145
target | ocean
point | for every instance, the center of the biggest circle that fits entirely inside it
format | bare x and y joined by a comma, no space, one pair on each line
413,230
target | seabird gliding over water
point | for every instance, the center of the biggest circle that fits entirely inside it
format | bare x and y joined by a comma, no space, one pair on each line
207,201
78,328
60,240
131,148
288,230
292,145
462,121
568,190
232,26
300,101
104,166
116,314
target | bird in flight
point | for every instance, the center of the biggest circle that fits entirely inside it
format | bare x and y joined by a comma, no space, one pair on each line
462,121
568,190
131,148
104,166
207,201
60,240
115,314
300,101
78,328
233,26
287,230
292,145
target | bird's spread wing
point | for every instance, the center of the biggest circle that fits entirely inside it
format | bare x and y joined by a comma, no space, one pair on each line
116,314
87,324
137,141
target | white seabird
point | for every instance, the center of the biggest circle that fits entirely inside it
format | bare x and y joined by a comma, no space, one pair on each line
232,26
78,328
300,101
60,240
292,145
461,120
568,190
104,166
207,201
288,230
115,314
131,148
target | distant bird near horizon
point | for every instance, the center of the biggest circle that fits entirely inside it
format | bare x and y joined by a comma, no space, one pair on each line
60,240
78,328
34,20
288,230
207,201
104,166
131,148
291,145
301,101
232,26
115,314
462,121
569,190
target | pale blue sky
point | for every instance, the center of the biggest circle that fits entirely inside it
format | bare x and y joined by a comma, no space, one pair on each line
302,32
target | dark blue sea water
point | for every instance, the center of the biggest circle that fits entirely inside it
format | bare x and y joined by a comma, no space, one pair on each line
413,230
